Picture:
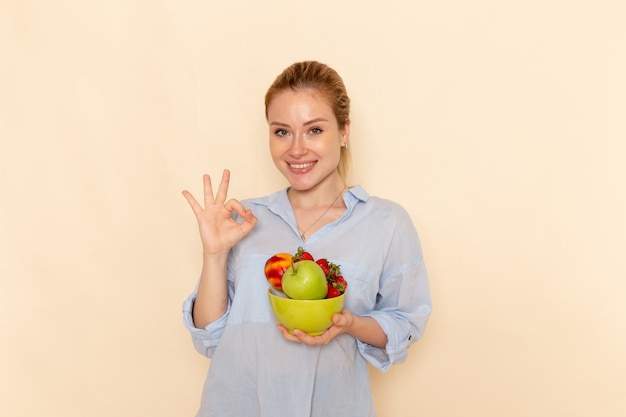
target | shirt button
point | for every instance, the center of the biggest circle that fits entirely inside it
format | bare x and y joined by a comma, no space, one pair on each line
410,337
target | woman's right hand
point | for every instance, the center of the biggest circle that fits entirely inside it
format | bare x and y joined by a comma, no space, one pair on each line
218,231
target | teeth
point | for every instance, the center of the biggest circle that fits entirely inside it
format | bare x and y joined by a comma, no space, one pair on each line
300,166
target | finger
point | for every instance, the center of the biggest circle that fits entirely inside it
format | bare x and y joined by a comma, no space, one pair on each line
305,338
250,219
339,319
247,226
342,319
195,206
208,190
235,205
286,334
222,191
300,336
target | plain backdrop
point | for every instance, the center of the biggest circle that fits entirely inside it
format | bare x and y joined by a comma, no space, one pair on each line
499,126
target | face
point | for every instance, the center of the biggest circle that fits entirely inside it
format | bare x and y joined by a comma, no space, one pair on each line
305,139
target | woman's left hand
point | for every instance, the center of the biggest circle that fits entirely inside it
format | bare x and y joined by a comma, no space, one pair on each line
341,323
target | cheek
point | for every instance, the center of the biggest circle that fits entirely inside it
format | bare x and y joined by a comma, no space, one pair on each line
275,148
331,152
276,152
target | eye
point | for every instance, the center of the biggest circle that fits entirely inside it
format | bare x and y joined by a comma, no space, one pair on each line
316,131
280,132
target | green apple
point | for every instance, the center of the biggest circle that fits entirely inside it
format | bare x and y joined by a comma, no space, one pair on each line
305,280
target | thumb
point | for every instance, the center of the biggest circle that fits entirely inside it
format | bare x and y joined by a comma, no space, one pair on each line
339,319
250,221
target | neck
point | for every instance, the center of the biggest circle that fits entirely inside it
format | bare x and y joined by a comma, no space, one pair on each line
309,214
317,197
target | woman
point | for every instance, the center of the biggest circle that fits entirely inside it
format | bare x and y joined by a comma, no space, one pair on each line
258,368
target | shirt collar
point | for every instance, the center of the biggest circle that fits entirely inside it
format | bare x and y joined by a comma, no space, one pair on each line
278,202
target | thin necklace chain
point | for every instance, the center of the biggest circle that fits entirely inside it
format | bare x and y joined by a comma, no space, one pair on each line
303,232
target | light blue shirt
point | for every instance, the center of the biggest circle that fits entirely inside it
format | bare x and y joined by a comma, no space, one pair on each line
254,371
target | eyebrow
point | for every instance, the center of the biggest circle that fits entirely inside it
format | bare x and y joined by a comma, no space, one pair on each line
310,122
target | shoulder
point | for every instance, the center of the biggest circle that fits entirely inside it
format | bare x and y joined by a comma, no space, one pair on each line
377,205
266,200
276,202
270,208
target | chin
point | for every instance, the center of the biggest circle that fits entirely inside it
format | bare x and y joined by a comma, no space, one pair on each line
299,182
297,186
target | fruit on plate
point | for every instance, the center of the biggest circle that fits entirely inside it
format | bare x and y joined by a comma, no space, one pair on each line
332,291
305,280
336,283
326,266
275,267
312,291
302,255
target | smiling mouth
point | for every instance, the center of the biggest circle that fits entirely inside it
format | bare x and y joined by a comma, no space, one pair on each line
302,166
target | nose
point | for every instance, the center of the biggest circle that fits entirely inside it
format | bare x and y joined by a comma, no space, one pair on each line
298,147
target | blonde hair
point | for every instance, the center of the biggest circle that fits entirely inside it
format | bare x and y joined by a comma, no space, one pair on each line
320,77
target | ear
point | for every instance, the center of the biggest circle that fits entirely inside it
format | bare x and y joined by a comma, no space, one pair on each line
345,134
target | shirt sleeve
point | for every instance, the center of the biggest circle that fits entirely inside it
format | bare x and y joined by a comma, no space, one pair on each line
403,303
204,340
403,324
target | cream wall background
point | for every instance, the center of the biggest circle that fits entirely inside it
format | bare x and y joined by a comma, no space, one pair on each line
499,125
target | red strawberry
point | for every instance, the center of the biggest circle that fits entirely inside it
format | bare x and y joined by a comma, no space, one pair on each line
302,255
334,272
340,284
323,262
330,269
332,291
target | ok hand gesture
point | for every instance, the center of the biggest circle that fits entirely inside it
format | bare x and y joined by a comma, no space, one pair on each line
218,231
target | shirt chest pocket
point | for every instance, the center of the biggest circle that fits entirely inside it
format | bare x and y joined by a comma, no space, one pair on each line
362,289
249,301
247,271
